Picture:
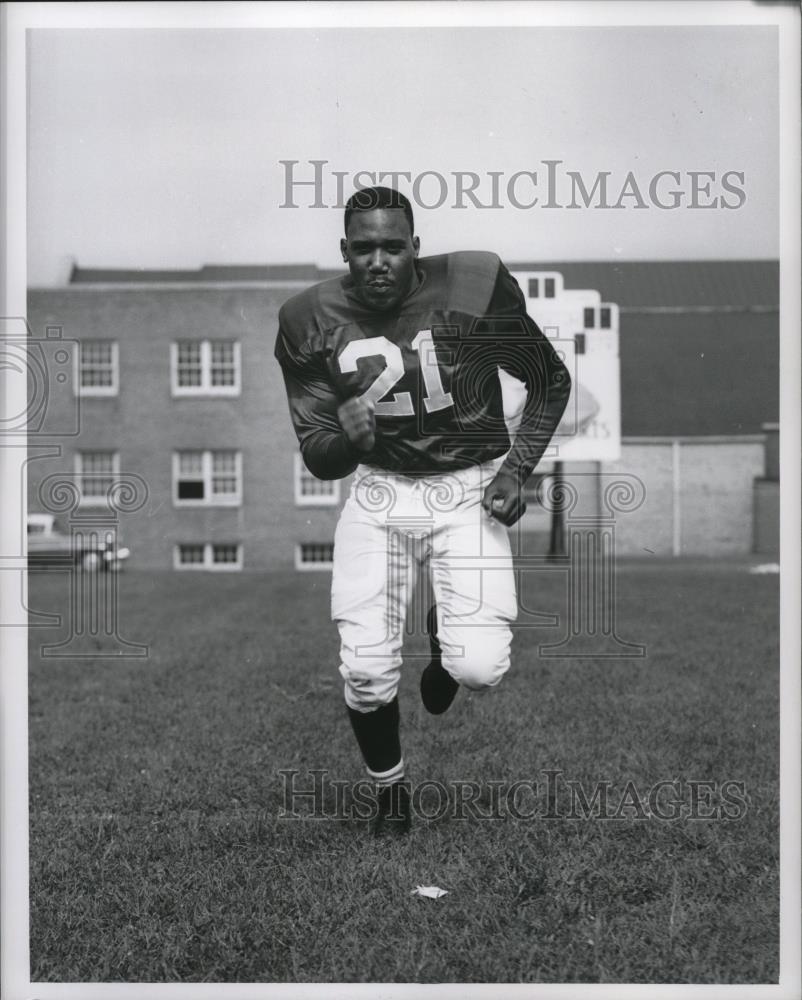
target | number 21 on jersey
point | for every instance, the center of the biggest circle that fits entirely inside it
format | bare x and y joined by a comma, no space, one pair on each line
400,403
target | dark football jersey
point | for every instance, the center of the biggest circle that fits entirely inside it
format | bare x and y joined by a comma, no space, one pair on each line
430,367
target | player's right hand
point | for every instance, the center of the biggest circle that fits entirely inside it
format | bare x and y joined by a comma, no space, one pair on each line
359,422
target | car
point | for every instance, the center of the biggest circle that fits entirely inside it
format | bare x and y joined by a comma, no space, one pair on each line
48,546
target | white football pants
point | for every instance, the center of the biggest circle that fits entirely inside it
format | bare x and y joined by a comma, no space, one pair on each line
388,523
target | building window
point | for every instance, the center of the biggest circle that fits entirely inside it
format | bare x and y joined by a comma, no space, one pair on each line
604,317
190,555
223,367
548,288
205,367
534,288
311,491
579,343
590,318
207,478
227,554
98,368
219,556
95,474
189,366
314,555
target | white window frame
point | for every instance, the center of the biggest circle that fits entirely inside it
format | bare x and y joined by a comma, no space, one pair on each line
97,390
206,388
311,567
208,564
300,475
209,499
92,500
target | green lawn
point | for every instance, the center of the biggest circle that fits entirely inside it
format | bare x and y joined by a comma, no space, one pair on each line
158,854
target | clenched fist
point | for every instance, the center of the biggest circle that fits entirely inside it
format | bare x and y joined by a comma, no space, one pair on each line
358,422
503,498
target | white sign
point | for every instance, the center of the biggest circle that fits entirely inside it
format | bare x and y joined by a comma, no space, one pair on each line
584,330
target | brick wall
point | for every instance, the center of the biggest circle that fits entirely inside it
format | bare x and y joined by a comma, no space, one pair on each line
710,514
145,424
647,530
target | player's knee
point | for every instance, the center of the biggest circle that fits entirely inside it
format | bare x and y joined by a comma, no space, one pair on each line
479,665
478,675
369,685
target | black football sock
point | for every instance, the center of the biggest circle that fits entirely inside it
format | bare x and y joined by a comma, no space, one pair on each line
437,687
377,734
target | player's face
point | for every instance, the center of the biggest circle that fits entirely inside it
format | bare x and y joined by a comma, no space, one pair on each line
380,252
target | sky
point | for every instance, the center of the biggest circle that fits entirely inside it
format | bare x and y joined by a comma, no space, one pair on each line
163,148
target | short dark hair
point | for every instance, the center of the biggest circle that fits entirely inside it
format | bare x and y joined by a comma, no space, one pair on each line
368,199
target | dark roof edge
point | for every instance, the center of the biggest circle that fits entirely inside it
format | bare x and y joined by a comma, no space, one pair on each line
312,272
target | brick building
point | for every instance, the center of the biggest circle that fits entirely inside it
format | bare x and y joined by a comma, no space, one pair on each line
172,378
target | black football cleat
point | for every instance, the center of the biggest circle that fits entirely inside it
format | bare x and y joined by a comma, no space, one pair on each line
393,814
437,687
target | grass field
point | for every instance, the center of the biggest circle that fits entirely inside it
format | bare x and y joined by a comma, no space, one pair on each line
158,854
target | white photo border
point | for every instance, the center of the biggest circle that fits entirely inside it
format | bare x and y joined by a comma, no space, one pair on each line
17,19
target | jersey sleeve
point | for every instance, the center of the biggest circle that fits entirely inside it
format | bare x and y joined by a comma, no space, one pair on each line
527,354
326,450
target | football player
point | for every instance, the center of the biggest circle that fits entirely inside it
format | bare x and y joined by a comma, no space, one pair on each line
392,373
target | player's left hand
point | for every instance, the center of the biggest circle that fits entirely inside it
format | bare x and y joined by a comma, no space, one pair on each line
503,498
